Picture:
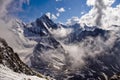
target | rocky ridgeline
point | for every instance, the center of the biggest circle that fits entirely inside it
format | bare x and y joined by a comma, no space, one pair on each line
11,59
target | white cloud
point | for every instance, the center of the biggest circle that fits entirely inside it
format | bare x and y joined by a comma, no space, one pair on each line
90,2
48,14
58,14
82,12
58,0
102,14
7,22
95,2
61,9
53,17
3,7
69,8
61,32
13,5
73,20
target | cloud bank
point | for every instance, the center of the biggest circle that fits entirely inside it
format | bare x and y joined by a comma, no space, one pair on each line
73,21
55,16
52,16
61,32
60,9
102,14
58,0
7,21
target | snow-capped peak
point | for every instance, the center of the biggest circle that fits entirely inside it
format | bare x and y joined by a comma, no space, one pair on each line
41,27
45,19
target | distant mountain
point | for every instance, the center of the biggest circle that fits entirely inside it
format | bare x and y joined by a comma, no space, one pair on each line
102,66
80,34
106,63
41,27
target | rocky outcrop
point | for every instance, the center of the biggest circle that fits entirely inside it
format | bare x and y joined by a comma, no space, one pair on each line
115,77
11,59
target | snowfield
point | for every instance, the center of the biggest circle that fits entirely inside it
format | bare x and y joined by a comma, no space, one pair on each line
7,74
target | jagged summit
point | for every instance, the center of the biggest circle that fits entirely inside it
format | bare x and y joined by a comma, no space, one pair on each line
46,21
44,16
41,27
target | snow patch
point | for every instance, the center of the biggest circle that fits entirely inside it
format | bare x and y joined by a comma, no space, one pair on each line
7,74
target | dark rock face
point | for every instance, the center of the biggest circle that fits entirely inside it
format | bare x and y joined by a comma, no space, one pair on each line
39,27
44,19
11,59
115,77
80,34
44,62
39,31
102,67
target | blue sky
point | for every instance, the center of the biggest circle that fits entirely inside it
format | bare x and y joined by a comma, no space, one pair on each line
37,8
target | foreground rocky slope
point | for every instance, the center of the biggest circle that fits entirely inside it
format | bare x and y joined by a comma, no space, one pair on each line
8,74
11,60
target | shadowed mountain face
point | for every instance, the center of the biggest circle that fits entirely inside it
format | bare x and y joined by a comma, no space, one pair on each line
40,27
102,67
93,32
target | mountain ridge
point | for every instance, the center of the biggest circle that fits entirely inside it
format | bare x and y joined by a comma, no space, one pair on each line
90,43
11,60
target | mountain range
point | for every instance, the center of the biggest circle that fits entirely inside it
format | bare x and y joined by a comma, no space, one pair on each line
64,52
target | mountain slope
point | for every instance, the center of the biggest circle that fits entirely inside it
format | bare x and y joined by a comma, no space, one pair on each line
8,74
48,55
11,60
41,27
